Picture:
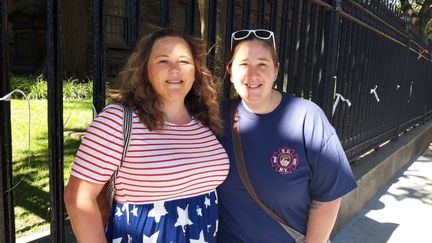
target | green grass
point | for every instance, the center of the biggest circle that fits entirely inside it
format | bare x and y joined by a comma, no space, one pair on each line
32,173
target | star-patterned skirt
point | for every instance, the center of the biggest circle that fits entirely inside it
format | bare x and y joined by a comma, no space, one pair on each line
193,220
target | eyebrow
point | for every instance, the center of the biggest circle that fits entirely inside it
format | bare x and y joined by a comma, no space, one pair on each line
259,59
264,59
165,55
161,55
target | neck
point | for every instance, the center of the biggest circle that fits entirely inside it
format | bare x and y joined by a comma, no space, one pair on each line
265,107
176,113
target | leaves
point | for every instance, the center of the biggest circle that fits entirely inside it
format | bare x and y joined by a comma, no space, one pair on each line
37,87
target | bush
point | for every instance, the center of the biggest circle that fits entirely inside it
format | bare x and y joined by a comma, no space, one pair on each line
37,88
74,90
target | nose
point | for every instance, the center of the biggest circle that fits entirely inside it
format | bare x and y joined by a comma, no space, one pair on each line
173,67
251,71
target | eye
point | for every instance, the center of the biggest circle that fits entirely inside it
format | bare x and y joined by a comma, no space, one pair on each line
262,64
162,61
185,62
243,64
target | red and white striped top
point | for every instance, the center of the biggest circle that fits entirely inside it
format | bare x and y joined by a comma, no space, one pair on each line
177,162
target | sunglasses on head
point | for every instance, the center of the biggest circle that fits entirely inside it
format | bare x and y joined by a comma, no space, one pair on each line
261,34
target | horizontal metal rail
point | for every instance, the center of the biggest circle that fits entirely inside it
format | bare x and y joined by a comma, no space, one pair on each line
344,14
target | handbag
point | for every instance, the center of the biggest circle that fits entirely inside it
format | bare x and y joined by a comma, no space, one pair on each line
241,167
106,196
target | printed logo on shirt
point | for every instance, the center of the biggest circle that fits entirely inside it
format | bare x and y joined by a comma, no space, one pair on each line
285,160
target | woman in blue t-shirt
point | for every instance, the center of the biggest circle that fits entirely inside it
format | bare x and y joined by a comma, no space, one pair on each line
293,157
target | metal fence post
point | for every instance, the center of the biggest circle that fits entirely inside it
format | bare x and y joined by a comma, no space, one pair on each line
190,17
326,101
7,219
283,45
211,34
55,121
401,101
135,6
228,32
246,14
98,56
164,13
429,89
426,93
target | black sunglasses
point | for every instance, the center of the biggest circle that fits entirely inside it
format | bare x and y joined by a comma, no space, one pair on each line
261,34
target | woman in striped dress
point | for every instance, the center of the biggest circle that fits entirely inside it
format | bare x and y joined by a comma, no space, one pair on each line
165,187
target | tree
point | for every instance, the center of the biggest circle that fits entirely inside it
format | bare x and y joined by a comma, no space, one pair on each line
419,13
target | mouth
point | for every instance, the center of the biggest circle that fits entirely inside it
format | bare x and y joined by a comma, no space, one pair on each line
253,86
174,81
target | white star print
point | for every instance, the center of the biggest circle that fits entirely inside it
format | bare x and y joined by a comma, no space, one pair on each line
134,211
199,210
118,240
151,239
158,211
207,202
118,212
129,239
208,228
183,218
200,240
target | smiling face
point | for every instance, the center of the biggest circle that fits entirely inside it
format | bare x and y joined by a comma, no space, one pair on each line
171,69
253,72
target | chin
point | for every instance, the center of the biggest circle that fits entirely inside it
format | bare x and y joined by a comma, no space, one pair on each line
252,98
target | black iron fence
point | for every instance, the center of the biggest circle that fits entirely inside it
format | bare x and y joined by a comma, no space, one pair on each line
358,60
7,225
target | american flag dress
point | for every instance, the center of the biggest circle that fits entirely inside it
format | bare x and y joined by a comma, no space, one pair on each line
166,185
193,219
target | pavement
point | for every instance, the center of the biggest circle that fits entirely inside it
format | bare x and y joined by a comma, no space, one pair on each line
400,212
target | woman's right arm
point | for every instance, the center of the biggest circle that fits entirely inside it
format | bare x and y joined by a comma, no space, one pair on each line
80,198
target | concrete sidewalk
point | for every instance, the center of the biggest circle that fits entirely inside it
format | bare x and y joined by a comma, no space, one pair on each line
400,212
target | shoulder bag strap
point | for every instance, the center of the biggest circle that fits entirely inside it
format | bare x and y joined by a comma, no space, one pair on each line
127,130
241,167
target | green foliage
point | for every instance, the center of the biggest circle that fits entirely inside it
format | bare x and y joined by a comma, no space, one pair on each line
37,88
31,170
429,32
75,90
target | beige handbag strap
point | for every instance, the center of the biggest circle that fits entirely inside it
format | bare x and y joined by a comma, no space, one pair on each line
241,167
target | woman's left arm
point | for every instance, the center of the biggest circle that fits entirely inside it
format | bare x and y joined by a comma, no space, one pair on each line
322,217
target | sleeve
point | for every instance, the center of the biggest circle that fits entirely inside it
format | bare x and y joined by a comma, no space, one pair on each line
331,174
100,151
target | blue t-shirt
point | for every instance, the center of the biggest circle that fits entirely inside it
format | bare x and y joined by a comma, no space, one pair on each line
293,156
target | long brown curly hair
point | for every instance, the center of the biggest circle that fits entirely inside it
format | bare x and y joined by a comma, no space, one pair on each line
202,101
